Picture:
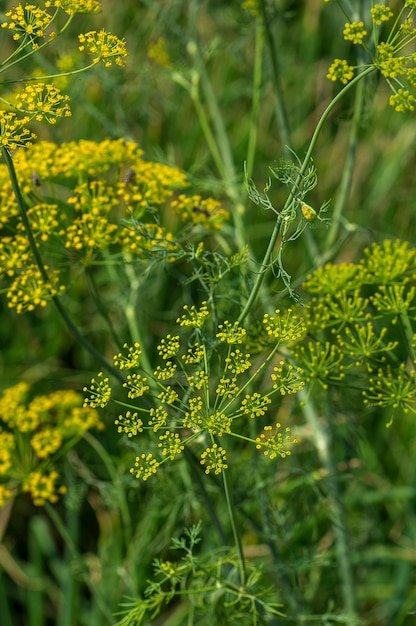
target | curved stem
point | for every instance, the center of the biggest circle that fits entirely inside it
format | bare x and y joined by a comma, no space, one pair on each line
73,329
47,77
262,272
305,163
328,110
347,172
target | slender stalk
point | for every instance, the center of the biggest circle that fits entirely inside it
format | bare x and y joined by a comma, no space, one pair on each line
5,512
95,293
347,171
221,135
256,99
305,163
236,534
197,478
280,106
47,77
72,548
323,446
130,312
73,329
193,91
116,482
218,133
409,334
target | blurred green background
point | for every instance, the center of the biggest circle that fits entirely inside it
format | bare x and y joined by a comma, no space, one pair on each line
142,102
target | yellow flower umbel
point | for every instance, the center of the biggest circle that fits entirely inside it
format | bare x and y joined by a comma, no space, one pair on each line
354,32
359,326
199,393
390,37
115,209
31,30
14,132
340,70
252,7
103,46
159,53
28,24
33,433
42,101
75,6
207,213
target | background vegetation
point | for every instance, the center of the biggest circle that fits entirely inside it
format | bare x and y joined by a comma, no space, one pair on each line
73,563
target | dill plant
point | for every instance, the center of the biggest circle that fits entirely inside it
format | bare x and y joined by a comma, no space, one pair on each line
226,366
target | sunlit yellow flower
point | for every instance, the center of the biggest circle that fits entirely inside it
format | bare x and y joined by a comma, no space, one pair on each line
402,101
42,101
214,458
75,6
28,22
355,32
340,70
14,132
103,46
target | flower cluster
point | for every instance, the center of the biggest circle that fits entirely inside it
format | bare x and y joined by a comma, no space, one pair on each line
395,390
14,132
33,431
159,53
252,7
115,207
31,30
340,70
42,101
28,24
388,55
194,210
103,47
197,394
358,321
75,6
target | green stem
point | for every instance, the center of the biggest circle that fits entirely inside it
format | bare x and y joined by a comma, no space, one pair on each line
73,329
116,482
48,77
255,103
232,516
130,309
322,443
101,309
280,107
219,140
261,272
409,334
62,530
221,135
347,172
276,230
193,91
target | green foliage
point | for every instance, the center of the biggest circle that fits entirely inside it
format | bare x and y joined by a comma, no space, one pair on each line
210,584
261,469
